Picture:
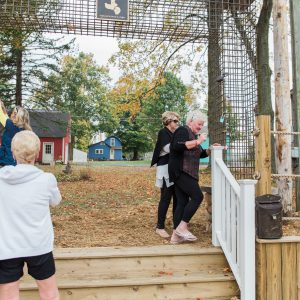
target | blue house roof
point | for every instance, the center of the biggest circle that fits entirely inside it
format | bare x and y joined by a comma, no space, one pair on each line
108,143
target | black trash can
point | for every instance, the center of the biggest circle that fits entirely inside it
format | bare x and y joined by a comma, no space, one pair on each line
268,212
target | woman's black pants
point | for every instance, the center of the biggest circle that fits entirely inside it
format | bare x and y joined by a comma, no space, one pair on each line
166,194
189,198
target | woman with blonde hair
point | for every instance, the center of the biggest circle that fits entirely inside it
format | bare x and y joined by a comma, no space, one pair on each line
161,158
18,121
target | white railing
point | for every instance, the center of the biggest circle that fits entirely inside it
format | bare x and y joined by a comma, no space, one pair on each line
233,222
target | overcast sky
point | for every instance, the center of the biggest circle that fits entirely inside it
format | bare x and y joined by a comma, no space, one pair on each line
102,48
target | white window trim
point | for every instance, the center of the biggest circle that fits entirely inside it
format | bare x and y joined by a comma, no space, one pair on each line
113,142
99,151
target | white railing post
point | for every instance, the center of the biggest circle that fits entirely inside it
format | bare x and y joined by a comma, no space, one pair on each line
216,153
247,238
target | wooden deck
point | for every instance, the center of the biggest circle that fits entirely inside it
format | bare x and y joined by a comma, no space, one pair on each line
278,269
178,272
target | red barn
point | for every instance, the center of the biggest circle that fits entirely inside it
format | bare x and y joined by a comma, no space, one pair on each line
53,129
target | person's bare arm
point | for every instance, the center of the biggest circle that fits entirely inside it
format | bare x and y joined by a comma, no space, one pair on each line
3,114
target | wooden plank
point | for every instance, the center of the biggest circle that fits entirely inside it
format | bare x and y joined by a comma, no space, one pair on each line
263,155
273,257
261,280
295,37
141,264
283,240
180,291
106,252
289,271
298,269
91,280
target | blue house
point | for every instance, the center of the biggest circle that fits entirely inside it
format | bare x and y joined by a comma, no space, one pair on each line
109,149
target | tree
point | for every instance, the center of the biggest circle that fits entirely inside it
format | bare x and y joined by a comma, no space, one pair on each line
26,58
264,102
80,88
126,97
170,95
149,60
140,112
134,136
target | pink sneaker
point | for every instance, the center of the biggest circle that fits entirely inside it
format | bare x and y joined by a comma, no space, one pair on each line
162,233
188,236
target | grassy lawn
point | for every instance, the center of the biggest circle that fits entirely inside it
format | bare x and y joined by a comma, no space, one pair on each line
120,163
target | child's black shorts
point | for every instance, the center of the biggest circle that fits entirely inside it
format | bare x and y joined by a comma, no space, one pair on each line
40,267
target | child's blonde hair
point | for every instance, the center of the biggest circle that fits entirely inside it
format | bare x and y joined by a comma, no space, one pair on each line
21,119
25,146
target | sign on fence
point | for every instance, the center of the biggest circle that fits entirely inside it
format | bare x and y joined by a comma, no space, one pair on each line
117,10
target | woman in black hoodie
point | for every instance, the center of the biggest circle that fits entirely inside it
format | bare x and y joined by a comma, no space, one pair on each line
161,158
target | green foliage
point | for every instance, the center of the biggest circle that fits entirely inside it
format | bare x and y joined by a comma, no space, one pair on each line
81,174
150,86
149,60
170,95
140,113
232,124
26,58
135,138
80,88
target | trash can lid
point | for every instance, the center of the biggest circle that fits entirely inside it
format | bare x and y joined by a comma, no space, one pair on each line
268,198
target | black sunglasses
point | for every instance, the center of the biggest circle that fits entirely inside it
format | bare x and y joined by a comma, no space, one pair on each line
175,121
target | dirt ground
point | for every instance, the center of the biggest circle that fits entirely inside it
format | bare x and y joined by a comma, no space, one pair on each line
117,206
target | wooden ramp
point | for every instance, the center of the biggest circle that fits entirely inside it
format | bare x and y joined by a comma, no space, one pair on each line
179,272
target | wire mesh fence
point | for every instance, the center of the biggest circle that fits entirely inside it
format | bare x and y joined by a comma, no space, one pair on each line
233,90
228,26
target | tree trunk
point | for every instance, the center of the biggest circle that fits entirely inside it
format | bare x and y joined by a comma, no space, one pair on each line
135,154
282,102
19,65
264,103
216,129
71,147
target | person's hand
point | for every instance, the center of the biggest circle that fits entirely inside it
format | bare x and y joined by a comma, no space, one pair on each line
202,137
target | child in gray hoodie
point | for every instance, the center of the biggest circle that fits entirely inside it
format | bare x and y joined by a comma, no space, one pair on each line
26,231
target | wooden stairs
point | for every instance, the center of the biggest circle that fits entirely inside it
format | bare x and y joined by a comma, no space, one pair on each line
179,272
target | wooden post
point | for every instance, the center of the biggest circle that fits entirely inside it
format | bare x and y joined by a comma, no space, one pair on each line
295,33
247,238
283,110
263,155
216,153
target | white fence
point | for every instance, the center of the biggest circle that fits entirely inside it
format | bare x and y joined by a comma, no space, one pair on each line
233,222
79,156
